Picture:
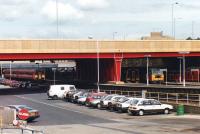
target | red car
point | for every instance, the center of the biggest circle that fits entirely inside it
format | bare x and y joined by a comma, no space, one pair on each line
94,96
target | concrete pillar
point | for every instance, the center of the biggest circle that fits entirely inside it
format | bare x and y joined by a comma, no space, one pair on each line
117,67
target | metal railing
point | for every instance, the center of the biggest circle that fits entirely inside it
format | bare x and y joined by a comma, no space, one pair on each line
177,98
20,131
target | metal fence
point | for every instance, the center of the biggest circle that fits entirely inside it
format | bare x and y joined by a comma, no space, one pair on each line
19,131
177,98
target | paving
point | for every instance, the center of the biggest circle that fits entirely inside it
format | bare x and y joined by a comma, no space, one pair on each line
60,117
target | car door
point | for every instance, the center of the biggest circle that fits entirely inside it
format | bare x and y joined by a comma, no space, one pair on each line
61,92
156,106
146,106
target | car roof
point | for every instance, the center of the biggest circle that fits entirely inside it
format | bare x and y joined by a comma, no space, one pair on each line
17,106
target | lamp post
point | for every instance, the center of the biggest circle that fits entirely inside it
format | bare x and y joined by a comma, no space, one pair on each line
147,74
97,45
57,28
172,10
97,48
175,26
10,69
1,71
180,71
114,35
192,29
184,53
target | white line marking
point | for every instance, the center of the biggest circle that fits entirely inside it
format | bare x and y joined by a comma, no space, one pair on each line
25,98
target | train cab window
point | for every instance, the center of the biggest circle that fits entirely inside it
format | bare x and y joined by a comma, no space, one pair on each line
62,88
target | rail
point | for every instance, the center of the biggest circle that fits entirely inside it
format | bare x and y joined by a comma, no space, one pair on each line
177,98
20,131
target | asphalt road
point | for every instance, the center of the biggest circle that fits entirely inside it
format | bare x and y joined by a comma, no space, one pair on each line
51,114
61,117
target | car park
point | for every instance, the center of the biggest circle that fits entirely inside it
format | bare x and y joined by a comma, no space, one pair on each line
94,98
33,113
59,91
142,106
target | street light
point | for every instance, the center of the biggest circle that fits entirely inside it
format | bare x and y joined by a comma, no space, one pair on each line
180,71
175,26
54,75
147,74
192,29
57,28
184,53
173,16
114,35
10,69
97,48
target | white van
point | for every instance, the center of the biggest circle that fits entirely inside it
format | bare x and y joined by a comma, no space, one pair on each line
59,91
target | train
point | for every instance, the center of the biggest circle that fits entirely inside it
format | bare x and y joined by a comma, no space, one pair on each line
22,77
138,75
24,74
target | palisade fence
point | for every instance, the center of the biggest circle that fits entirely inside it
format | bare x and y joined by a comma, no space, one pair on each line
177,98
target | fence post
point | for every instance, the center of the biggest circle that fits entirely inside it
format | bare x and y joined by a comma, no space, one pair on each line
167,97
121,92
187,98
199,99
128,94
158,96
176,98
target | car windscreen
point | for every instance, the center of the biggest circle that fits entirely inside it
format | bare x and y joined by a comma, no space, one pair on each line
123,99
134,102
25,107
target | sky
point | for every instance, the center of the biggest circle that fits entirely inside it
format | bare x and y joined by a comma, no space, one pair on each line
99,19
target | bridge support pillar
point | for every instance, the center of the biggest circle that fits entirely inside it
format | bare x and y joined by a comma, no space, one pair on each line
117,68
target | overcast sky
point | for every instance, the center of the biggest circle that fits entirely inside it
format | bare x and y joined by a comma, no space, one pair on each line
78,19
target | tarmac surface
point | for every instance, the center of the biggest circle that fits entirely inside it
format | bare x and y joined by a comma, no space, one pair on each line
60,117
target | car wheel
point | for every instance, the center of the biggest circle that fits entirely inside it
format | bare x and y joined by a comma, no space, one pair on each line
55,97
141,113
99,106
129,112
166,111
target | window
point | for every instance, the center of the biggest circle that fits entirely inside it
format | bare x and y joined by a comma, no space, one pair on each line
155,102
71,88
62,88
145,102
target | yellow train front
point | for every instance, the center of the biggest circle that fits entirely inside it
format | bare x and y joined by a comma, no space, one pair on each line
156,75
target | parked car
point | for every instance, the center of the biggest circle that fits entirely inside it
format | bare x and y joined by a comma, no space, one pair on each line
70,95
108,100
112,105
33,113
124,103
59,91
94,98
77,95
142,106
82,98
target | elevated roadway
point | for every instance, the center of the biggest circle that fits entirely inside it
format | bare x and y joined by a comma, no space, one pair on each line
111,52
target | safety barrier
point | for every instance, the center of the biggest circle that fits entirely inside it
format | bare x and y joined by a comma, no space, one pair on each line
20,131
177,98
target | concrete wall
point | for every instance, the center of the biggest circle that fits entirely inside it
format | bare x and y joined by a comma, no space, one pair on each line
7,115
90,46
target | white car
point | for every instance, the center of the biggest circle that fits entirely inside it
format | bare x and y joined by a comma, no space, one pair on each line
107,101
59,91
124,103
82,99
142,106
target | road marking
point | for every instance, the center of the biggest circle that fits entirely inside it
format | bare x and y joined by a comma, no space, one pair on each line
25,98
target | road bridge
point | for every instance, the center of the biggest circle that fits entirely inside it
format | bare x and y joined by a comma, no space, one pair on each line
111,53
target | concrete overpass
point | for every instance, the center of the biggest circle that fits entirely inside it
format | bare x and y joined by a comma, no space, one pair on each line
111,53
